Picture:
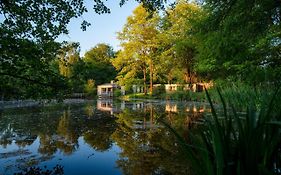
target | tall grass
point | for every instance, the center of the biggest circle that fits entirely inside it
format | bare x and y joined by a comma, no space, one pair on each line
231,142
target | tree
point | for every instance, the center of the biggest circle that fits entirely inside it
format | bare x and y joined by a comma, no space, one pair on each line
25,70
28,32
98,64
132,70
100,53
68,56
139,42
240,39
178,38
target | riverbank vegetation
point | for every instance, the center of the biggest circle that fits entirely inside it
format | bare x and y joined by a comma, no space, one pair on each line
190,42
234,141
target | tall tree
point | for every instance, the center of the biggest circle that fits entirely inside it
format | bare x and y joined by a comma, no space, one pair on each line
178,39
131,68
98,64
100,53
68,56
139,41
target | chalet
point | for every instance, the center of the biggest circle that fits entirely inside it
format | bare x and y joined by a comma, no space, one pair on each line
107,90
172,87
138,88
195,87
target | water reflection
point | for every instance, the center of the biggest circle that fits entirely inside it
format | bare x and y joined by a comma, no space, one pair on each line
105,137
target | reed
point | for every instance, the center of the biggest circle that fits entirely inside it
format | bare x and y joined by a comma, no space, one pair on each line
235,142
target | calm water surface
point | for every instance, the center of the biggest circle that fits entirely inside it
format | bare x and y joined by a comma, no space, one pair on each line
102,137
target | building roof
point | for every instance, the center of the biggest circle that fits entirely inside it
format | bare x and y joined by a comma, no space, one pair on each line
108,85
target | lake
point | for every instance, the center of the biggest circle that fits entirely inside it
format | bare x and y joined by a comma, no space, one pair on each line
98,137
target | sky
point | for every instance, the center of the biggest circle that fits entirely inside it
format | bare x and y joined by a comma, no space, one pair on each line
103,28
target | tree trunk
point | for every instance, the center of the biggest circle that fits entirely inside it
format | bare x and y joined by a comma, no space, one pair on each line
186,77
144,81
170,77
151,115
151,78
190,76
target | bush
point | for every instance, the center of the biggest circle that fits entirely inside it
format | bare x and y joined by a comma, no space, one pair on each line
117,92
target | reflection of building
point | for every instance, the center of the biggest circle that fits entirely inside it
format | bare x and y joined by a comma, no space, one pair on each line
105,105
171,107
138,105
195,109
142,125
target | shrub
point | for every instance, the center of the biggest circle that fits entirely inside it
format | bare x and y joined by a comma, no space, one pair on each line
117,93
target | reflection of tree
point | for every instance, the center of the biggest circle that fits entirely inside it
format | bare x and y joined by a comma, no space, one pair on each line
147,147
68,137
6,133
89,110
184,119
149,150
27,140
99,136
47,145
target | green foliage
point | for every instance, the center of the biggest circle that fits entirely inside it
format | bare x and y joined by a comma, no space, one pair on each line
183,95
243,95
139,43
97,64
164,47
28,31
117,93
90,88
159,91
231,142
26,70
100,53
240,38
139,96
181,37
68,56
213,39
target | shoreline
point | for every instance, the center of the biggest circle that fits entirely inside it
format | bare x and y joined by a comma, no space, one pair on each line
38,103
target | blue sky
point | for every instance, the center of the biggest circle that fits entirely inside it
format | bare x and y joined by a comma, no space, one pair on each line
103,28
